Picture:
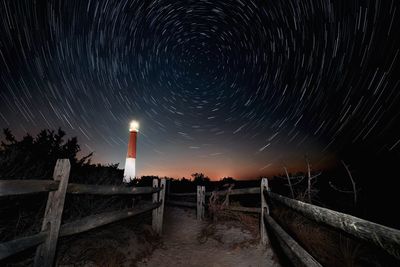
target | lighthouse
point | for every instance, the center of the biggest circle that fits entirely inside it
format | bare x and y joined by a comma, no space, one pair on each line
130,163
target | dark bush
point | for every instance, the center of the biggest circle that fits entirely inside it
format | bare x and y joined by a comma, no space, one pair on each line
35,158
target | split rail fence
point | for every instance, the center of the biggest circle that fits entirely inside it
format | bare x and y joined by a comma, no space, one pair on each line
385,238
52,230
388,239
201,194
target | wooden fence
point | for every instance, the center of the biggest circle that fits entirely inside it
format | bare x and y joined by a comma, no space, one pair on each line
385,238
52,230
388,239
200,199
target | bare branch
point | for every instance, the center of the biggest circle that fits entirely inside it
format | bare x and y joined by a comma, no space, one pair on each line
288,179
338,189
296,183
309,180
352,182
291,178
315,175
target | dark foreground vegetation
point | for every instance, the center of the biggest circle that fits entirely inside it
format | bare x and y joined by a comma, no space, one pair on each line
35,158
32,157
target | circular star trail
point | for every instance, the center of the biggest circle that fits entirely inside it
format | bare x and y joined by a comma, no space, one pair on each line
224,87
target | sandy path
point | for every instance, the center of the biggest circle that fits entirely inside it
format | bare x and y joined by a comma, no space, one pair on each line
182,248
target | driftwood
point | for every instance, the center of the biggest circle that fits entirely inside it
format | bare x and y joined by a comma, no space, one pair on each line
293,250
21,187
384,237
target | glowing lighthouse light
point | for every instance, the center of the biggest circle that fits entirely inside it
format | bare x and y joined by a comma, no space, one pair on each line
130,163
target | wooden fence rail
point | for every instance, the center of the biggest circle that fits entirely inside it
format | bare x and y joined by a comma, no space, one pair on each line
85,224
110,190
240,191
52,230
182,194
292,249
22,187
384,237
200,202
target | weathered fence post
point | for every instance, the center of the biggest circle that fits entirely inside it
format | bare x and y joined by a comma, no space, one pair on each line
155,213
160,209
158,213
201,192
264,209
45,252
168,188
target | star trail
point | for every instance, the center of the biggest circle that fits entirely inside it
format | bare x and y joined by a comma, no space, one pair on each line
228,88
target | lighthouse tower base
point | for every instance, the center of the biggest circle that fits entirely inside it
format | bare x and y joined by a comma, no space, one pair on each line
130,170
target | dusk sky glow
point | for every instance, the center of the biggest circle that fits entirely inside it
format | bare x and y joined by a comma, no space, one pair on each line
227,88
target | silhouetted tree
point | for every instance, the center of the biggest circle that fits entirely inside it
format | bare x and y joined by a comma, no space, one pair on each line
146,180
200,179
35,157
227,180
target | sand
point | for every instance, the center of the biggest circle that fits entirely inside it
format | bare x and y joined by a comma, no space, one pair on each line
229,244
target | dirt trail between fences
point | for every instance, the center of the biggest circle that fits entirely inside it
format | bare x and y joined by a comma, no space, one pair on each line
226,244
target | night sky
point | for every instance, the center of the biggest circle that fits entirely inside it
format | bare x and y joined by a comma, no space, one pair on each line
228,88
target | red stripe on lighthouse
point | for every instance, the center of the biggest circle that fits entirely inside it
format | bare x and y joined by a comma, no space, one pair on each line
132,145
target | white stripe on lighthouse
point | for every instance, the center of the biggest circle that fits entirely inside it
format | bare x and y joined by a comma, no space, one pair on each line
130,169
130,162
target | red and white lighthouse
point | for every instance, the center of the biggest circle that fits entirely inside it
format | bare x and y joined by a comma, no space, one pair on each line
130,163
